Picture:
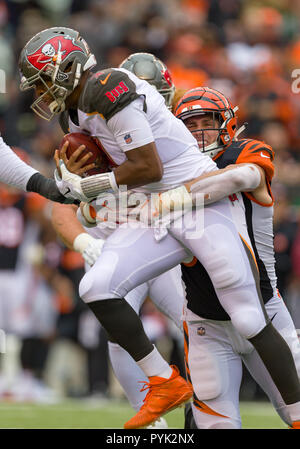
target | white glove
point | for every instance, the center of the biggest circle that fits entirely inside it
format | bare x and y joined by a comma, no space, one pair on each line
84,189
69,183
89,247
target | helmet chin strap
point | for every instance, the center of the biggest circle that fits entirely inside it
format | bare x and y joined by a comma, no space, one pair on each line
240,130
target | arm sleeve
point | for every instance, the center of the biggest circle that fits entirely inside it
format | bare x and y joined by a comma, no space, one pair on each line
238,179
13,170
129,133
47,187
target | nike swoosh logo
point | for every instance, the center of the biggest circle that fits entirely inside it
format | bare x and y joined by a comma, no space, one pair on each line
105,79
67,191
273,316
263,155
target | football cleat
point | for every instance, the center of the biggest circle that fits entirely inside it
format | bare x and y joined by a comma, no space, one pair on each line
160,423
295,425
163,396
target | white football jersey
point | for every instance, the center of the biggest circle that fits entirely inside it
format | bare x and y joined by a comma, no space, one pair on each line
124,113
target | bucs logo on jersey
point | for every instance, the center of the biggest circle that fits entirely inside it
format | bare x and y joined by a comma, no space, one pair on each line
48,52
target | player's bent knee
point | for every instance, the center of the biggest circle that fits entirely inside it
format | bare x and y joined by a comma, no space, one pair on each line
93,288
248,321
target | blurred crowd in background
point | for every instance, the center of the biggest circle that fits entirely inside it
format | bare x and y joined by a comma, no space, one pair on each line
249,50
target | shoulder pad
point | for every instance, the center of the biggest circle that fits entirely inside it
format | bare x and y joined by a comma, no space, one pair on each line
107,92
259,153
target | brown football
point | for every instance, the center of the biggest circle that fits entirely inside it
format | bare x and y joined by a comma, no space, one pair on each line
92,145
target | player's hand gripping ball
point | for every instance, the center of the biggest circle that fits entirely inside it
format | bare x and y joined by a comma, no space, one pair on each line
92,145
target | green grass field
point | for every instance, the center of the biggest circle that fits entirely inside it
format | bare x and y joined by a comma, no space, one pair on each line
112,415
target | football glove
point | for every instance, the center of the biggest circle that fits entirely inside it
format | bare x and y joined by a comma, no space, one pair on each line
83,189
89,247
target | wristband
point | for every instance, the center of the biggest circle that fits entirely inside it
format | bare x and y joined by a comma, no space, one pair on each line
92,186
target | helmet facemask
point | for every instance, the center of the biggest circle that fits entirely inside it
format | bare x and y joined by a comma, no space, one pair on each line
54,60
48,77
168,95
204,101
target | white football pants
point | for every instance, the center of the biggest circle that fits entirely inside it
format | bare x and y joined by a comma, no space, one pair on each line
131,257
214,354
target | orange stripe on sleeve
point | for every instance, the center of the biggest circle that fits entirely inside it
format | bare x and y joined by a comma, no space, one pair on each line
186,352
259,153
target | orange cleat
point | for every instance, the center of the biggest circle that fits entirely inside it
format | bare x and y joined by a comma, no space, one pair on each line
163,396
295,425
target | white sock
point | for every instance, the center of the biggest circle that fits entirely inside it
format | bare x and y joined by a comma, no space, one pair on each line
128,373
155,365
294,411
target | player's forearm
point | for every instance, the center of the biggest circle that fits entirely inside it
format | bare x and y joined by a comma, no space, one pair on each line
222,183
65,223
210,188
73,234
13,170
143,166
17,173
45,187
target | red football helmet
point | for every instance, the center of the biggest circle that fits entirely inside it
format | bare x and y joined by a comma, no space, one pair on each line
203,101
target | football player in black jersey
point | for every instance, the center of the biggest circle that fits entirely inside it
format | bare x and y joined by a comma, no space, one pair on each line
214,350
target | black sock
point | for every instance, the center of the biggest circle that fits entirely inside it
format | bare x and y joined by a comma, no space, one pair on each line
123,326
278,359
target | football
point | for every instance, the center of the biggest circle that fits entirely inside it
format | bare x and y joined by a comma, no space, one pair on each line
92,145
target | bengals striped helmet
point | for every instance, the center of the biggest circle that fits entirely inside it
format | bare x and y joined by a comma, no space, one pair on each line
207,101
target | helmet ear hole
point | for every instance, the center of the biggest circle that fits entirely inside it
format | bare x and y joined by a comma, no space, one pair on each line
68,67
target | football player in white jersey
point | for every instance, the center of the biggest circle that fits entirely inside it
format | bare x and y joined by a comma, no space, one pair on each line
166,291
155,151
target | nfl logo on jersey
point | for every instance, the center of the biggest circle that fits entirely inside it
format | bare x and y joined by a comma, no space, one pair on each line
128,138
